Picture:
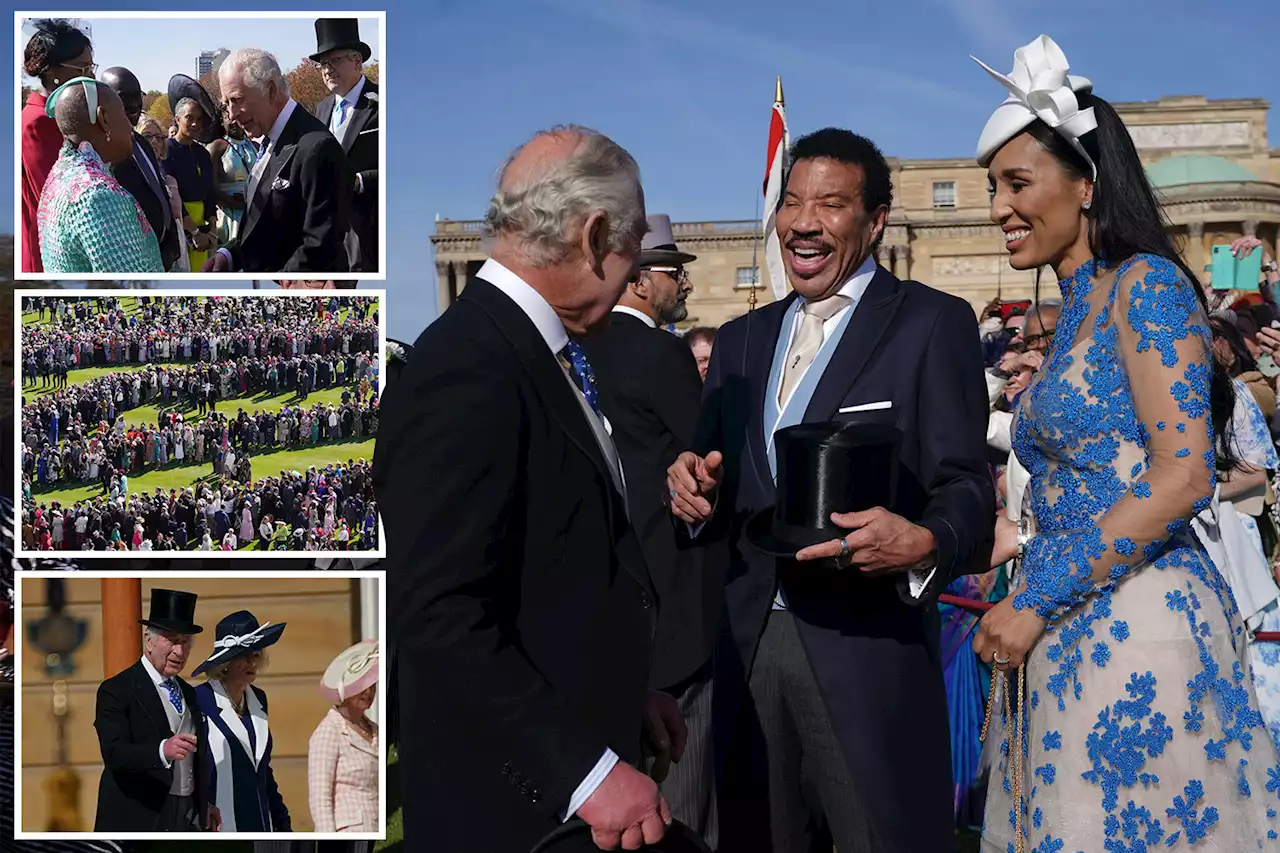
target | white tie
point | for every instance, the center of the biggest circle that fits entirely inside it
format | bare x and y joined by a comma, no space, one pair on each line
808,340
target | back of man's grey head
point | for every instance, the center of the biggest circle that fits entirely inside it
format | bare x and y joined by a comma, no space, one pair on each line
540,202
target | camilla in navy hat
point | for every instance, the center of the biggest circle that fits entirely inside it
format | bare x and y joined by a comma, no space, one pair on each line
236,739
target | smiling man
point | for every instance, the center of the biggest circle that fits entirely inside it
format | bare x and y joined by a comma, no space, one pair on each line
147,720
831,714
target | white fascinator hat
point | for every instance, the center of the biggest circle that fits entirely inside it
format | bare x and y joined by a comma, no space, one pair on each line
354,671
1039,88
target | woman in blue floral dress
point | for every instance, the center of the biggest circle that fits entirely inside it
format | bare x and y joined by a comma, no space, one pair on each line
1133,725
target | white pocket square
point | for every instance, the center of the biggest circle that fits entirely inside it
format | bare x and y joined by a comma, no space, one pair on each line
867,407
280,184
370,130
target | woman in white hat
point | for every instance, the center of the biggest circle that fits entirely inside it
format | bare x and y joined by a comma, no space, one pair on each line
342,761
1132,723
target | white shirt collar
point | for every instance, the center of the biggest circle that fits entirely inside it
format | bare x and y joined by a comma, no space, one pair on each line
639,315
530,301
156,677
281,120
353,96
857,283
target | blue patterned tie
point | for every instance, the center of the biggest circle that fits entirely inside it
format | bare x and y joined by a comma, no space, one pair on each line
580,368
175,693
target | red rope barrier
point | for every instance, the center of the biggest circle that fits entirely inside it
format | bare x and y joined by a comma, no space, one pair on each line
983,606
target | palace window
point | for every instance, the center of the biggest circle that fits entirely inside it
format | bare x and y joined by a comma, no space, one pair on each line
944,194
748,276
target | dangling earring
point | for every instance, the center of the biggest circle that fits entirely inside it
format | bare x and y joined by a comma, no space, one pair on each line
108,136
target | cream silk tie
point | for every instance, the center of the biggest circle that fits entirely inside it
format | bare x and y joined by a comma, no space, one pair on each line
807,342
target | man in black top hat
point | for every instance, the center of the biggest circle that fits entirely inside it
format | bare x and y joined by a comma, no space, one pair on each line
298,200
351,114
831,710
153,778
140,175
653,412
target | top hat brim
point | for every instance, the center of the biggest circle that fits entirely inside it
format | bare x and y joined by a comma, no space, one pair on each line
650,257
181,86
365,51
761,536
267,638
171,625
575,837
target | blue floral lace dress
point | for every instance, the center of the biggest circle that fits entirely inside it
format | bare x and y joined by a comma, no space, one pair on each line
1141,728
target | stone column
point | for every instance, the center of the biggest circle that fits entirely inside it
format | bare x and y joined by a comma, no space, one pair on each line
459,278
443,297
1195,248
902,261
1251,228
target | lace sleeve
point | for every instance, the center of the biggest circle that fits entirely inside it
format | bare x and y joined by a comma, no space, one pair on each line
1159,334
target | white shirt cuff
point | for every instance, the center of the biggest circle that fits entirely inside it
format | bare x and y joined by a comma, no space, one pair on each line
166,762
226,254
589,784
359,183
918,579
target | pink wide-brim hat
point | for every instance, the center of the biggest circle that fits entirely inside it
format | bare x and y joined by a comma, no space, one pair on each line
352,672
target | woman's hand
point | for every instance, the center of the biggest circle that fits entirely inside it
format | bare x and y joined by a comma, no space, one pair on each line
1006,544
1007,634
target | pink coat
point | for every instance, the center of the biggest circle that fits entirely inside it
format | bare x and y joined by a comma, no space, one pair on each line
342,777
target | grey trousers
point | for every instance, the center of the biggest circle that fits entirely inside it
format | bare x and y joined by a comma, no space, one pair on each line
786,786
690,784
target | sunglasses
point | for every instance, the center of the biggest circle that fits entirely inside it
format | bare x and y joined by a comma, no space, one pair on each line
680,274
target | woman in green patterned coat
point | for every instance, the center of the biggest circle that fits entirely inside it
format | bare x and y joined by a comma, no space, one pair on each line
87,221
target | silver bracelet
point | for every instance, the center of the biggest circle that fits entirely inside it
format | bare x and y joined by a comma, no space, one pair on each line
1024,537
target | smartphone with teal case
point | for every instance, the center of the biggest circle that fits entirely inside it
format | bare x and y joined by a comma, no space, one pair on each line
1232,273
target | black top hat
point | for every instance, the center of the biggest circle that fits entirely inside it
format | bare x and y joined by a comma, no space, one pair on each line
658,246
575,837
825,468
339,34
181,86
238,635
172,610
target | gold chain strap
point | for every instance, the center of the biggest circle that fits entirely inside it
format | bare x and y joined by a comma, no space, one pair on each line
1017,730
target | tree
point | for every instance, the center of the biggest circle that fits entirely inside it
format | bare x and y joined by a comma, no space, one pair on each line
148,100
371,71
159,110
306,85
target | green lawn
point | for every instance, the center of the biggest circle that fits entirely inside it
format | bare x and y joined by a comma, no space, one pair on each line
264,465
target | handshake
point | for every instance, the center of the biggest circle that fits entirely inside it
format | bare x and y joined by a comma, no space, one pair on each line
627,810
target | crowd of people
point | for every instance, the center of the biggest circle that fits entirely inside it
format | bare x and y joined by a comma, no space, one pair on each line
195,352
760,590
252,182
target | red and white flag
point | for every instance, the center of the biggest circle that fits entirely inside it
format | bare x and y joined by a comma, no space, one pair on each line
779,143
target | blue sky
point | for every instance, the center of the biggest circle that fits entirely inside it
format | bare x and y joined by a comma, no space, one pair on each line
687,87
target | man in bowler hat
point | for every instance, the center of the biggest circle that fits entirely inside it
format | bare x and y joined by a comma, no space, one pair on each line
152,776
351,114
831,712
653,412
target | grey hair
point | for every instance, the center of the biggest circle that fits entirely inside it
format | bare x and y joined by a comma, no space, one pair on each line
258,69
1054,305
183,102
540,210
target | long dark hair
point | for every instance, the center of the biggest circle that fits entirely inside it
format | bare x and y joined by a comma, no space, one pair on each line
1223,328
1126,219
